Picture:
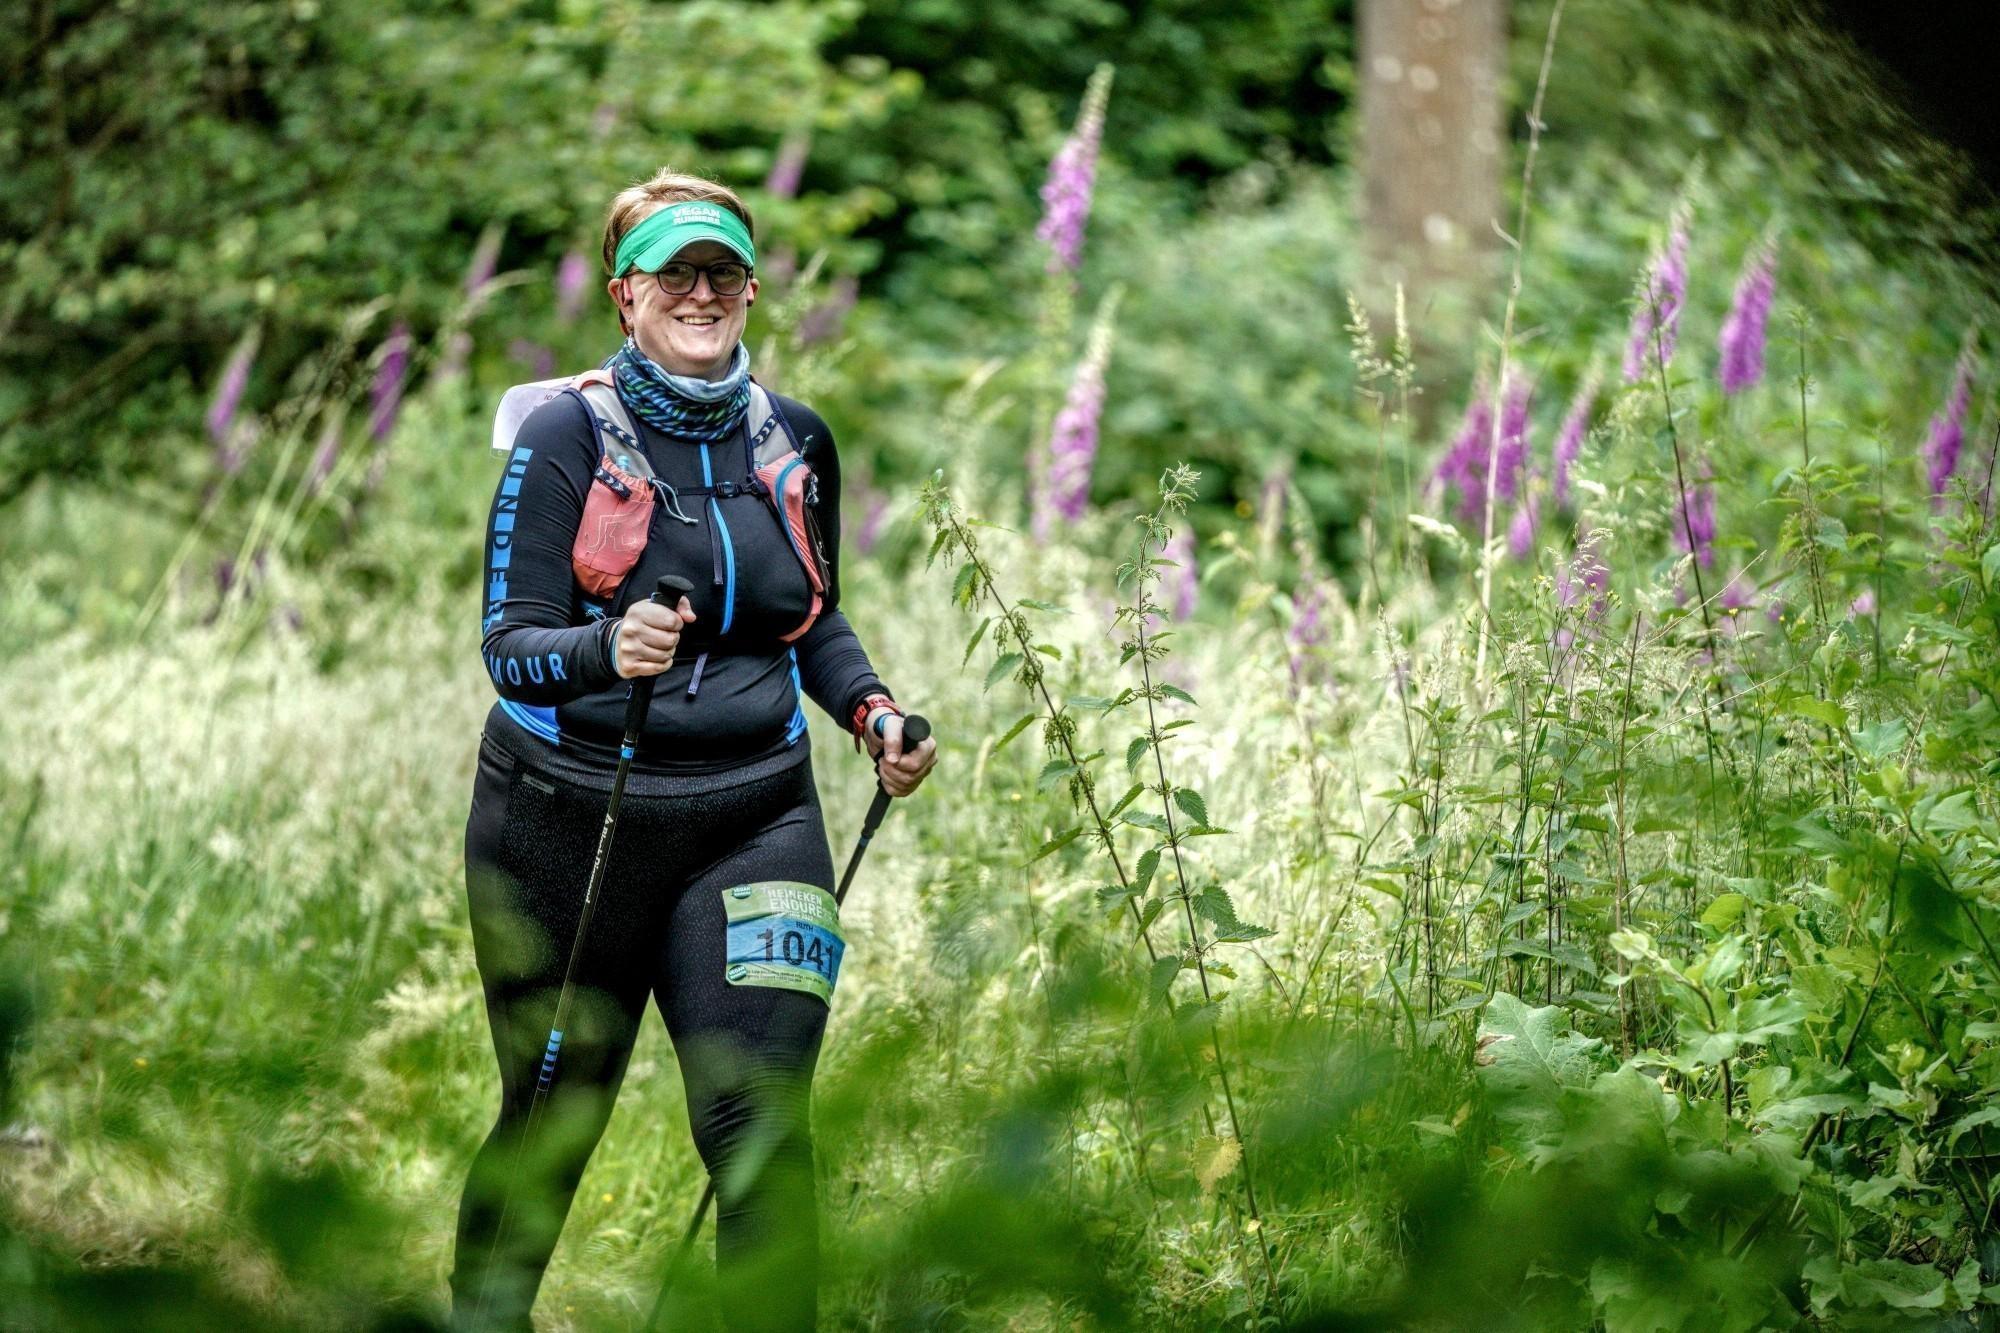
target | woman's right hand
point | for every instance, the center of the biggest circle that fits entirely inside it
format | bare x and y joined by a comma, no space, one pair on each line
647,637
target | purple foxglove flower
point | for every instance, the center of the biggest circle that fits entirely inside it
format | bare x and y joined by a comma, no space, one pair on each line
1072,175
1179,583
1742,341
1513,463
572,278
1064,492
824,321
1947,434
485,259
1584,572
1864,604
1464,466
1694,521
1569,439
540,360
1521,531
1656,315
789,166
229,388
392,364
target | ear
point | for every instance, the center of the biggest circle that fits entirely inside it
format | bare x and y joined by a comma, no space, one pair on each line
750,297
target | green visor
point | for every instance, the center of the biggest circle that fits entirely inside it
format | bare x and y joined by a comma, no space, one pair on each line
648,246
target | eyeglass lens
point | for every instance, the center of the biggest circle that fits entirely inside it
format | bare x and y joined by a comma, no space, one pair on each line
724,279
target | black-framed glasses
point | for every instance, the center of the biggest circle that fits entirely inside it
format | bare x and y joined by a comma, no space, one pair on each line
726,278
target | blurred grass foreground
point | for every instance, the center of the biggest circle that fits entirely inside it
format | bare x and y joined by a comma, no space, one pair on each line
1454,567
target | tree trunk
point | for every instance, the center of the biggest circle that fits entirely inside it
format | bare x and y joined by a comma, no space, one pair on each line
1431,119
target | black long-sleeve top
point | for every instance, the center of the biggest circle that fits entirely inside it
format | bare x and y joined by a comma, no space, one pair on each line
731,704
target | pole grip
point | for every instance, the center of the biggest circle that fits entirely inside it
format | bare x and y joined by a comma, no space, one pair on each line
665,592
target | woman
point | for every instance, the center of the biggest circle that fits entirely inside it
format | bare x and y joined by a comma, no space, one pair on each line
655,470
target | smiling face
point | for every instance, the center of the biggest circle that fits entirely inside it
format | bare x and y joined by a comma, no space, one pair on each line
695,334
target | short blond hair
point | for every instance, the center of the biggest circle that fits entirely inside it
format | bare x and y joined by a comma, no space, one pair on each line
639,201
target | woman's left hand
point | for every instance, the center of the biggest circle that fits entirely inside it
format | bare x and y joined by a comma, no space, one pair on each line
902,772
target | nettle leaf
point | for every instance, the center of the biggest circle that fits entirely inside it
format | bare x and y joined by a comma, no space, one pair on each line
1113,897
1057,843
1131,794
1033,605
1146,819
1001,669
1526,1058
1053,772
1215,1158
1191,803
1214,903
1164,972
1176,692
937,544
1135,752
962,591
1151,912
1049,650
1088,703
977,635
1026,720
1149,861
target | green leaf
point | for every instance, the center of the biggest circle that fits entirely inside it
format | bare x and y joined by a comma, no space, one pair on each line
1192,805
1136,751
1053,772
1819,710
1146,819
973,642
1033,605
1149,861
1130,795
1176,692
1151,912
1057,843
962,590
1015,730
1001,669
1526,1057
1112,897
1162,980
1087,703
1049,650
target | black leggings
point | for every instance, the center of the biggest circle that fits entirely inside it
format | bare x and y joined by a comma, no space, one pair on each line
746,1052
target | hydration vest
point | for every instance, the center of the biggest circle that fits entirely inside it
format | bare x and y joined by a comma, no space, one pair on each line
623,489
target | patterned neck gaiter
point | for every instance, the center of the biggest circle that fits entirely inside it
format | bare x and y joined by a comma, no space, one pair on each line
683,407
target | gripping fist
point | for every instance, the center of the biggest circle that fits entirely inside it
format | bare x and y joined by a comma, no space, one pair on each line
647,636
901,771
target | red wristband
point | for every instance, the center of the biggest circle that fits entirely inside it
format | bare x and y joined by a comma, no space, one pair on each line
867,706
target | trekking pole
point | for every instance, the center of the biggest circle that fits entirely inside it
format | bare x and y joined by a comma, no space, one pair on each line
916,730
639,701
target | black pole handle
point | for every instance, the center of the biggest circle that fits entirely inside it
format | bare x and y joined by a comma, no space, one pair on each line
641,697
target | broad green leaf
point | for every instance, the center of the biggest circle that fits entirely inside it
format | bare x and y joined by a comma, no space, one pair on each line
1149,861
1136,751
1165,969
1192,805
1131,794
1053,772
1034,605
1176,692
962,588
1526,1057
1001,669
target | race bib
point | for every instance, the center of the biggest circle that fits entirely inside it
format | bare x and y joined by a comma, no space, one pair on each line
783,934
